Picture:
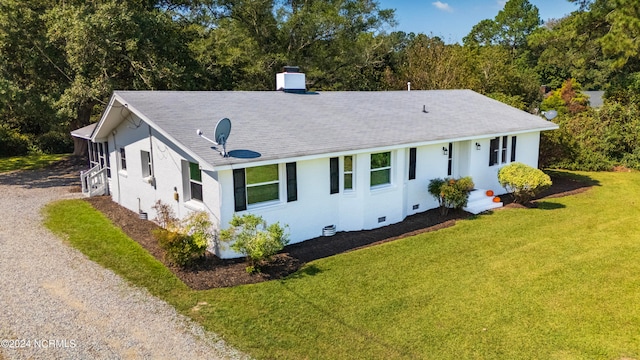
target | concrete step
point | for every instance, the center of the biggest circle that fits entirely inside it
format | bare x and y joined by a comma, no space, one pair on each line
479,202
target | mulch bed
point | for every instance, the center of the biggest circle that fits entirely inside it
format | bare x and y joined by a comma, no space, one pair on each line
212,272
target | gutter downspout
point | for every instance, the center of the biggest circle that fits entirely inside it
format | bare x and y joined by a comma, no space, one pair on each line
118,164
153,172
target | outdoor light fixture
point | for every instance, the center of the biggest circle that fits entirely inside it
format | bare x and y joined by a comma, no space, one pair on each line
477,146
444,151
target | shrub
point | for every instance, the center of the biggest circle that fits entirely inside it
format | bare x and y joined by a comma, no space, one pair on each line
451,193
55,142
165,217
250,235
435,189
456,192
186,241
525,182
13,142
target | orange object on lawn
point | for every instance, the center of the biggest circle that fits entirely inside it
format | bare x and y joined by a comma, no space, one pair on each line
489,192
496,199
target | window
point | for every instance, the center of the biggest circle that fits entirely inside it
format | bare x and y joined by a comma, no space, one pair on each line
504,149
494,151
195,181
499,150
412,163
348,172
292,182
380,169
106,155
123,159
263,184
145,159
334,176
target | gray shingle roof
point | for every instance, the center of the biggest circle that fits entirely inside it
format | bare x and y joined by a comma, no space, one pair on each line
280,125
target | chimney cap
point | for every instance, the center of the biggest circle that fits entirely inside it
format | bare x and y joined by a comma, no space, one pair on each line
291,69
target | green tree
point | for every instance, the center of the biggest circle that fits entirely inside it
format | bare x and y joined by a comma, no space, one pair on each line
110,45
428,63
339,44
30,80
509,28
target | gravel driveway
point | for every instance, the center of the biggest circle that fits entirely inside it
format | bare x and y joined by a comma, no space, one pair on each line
56,304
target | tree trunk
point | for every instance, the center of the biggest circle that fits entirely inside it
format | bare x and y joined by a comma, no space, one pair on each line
80,147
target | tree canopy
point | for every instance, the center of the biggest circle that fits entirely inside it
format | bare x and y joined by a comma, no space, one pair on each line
61,60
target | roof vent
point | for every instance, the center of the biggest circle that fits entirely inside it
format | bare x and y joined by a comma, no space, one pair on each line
291,80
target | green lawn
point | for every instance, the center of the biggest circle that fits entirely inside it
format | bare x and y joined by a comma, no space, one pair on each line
558,282
30,162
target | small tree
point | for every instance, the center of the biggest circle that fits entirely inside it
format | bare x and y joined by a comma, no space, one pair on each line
250,235
451,193
524,181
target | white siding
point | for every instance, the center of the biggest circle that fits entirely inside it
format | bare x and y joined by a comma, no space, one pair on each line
358,209
129,189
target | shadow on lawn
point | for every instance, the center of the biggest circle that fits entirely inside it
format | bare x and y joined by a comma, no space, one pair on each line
61,173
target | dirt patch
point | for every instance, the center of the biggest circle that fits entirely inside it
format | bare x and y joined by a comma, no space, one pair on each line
212,272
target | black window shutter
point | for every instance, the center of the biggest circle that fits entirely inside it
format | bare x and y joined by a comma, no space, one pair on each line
494,146
412,163
513,148
292,182
239,190
335,175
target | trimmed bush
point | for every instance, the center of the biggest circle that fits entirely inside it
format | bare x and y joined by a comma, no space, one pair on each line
250,235
524,181
451,193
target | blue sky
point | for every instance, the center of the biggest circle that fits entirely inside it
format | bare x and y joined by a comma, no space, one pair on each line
452,20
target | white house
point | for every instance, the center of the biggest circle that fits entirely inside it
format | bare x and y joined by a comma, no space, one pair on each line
355,160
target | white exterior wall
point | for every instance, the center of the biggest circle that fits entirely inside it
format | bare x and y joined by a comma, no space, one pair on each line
348,210
485,176
128,187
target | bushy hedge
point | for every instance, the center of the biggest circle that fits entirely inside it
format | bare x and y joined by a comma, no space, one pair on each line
12,143
524,181
55,142
591,139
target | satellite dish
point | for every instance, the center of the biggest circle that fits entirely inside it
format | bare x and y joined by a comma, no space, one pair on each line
550,115
220,133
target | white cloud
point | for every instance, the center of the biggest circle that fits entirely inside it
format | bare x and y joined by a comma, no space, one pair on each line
443,6
501,3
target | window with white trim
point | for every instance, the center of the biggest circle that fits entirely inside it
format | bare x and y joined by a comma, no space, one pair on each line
380,169
498,150
347,169
123,159
262,183
195,182
145,158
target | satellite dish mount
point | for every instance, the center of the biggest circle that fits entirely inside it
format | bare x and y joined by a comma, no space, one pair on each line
220,134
